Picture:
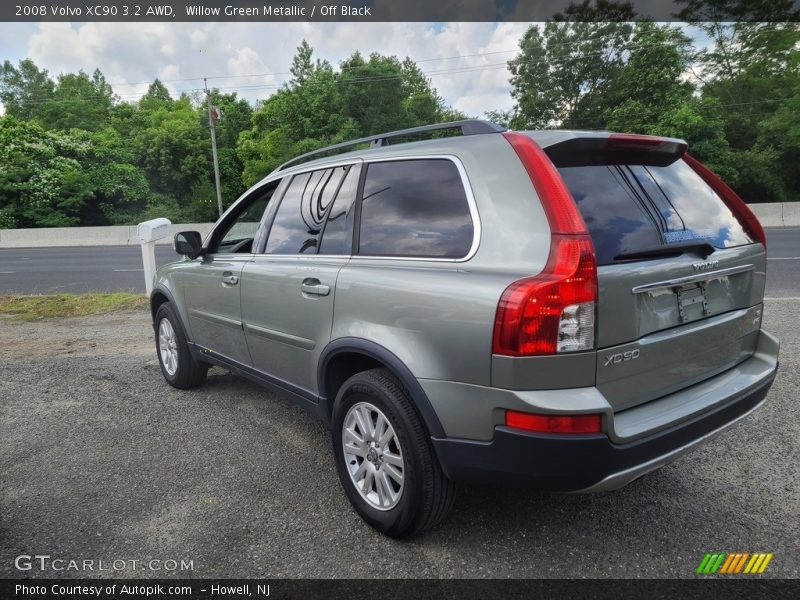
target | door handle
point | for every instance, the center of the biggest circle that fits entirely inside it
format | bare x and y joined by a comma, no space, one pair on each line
314,287
229,278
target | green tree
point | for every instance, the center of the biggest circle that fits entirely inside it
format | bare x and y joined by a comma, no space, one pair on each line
25,89
753,70
563,70
121,190
173,150
42,183
649,84
80,101
157,96
321,106
781,131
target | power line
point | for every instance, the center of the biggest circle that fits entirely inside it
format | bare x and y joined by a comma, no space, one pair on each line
592,38
558,59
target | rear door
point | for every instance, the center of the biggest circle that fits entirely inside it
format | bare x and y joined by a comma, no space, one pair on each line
681,282
288,289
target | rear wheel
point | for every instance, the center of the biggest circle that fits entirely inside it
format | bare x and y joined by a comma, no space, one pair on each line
178,366
385,459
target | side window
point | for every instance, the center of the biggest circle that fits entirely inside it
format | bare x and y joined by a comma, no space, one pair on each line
299,220
415,208
242,230
337,237
289,233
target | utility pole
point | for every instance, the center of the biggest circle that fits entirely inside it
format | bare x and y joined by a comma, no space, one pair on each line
213,146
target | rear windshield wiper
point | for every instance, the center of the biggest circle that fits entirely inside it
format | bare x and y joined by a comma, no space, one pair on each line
701,247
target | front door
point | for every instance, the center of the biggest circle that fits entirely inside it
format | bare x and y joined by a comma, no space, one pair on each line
212,286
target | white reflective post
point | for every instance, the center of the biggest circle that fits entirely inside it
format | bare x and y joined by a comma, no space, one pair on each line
149,262
148,232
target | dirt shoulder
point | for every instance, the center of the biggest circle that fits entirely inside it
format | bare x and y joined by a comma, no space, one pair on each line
125,332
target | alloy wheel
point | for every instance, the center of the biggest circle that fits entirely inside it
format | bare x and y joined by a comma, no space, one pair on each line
373,456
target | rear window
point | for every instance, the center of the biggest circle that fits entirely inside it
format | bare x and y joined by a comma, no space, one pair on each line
631,208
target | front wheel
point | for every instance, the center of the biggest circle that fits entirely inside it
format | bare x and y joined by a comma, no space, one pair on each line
384,457
178,366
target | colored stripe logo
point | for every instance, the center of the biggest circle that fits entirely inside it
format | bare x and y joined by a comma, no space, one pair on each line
734,563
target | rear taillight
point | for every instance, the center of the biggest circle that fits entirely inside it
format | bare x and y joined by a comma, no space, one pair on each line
731,199
554,311
554,423
557,201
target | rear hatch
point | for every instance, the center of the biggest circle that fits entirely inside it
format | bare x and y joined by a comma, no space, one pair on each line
681,280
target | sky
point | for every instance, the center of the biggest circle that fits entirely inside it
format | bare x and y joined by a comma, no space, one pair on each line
466,62
243,56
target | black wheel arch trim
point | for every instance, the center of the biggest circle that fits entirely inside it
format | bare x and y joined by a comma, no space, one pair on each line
171,299
393,363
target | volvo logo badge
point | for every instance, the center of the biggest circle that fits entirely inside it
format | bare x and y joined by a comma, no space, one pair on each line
706,266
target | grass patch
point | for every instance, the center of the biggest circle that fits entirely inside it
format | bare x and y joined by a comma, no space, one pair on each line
32,308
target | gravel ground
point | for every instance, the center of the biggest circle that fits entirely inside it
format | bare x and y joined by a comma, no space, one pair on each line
100,459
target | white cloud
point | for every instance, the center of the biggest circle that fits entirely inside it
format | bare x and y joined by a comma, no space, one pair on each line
130,55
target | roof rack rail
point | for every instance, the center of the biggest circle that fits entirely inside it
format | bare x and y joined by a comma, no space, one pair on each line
467,126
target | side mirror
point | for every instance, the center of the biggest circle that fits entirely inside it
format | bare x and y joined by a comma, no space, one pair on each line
188,243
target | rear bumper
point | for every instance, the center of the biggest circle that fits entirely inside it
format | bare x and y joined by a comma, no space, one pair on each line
588,463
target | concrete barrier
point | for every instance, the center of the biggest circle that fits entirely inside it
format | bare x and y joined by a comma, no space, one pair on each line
791,214
774,214
771,214
115,235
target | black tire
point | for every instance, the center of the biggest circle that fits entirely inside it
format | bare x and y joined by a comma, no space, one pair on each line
189,372
427,495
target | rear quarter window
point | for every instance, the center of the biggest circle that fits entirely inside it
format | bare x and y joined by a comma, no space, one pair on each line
415,208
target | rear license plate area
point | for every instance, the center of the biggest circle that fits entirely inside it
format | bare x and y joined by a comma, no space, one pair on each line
692,302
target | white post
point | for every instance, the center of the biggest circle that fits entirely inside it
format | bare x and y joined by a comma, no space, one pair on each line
148,232
149,262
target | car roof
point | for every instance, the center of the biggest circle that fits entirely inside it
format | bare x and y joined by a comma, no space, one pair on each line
543,137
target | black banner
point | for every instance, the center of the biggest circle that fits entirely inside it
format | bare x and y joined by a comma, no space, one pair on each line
391,10
396,589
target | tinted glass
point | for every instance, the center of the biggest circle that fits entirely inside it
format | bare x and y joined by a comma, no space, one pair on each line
298,221
331,186
630,208
239,236
616,218
694,211
337,237
415,208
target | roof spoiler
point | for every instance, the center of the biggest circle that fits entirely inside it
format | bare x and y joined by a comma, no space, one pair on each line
616,148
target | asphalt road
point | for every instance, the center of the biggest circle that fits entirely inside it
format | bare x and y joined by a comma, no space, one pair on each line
78,269
101,459
783,267
119,268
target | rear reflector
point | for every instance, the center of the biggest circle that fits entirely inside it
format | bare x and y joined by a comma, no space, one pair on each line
554,423
731,199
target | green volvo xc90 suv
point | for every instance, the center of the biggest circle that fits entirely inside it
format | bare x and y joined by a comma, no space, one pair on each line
462,303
